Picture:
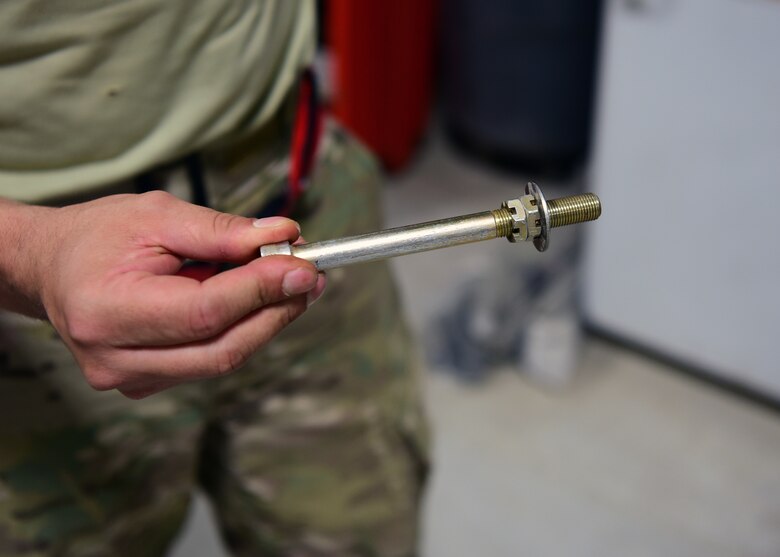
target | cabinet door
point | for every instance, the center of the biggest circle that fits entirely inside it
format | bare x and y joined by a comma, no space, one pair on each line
686,258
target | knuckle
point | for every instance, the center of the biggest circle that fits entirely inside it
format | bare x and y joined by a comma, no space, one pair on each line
101,379
80,329
206,319
158,197
82,325
222,224
285,314
263,293
224,221
230,359
292,312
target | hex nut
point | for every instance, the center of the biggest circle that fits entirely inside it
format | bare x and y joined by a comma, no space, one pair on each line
519,228
532,215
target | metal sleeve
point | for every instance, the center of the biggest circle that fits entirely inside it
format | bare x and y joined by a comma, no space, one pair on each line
399,241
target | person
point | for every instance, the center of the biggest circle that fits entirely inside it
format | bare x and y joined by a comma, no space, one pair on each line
127,379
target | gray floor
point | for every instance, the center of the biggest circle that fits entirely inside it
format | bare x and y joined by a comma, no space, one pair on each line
630,458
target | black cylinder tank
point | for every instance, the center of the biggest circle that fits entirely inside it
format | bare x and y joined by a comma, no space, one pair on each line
518,79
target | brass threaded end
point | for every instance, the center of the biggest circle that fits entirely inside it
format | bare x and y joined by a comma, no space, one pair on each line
504,222
574,209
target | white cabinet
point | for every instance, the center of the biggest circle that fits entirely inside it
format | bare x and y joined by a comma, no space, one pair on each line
686,258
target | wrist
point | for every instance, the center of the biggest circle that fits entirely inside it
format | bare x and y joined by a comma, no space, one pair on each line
24,257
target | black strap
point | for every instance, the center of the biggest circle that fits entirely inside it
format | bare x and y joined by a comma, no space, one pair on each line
145,182
193,166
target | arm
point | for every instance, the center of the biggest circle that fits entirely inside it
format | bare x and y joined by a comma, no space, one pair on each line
105,274
17,244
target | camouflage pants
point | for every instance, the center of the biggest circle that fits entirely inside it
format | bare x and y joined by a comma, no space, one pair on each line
316,448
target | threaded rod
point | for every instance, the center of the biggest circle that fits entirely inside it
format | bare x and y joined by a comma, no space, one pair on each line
574,209
516,220
504,222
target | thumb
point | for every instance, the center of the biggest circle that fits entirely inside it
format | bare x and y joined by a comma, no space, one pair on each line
206,235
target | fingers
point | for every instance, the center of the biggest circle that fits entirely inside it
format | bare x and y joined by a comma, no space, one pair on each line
140,372
215,357
169,310
316,293
202,234
135,326
203,360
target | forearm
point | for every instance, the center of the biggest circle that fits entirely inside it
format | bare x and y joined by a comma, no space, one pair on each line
20,256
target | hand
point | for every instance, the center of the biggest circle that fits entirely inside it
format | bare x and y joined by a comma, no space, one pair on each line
106,276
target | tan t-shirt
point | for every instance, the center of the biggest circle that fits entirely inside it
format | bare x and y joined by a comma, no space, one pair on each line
95,91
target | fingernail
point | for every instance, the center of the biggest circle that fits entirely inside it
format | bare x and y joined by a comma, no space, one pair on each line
317,292
272,222
299,281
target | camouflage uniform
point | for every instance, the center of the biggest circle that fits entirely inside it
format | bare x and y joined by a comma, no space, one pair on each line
316,448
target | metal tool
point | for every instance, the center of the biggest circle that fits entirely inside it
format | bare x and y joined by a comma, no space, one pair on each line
528,218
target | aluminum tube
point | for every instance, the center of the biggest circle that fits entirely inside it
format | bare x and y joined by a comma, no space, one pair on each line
399,241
